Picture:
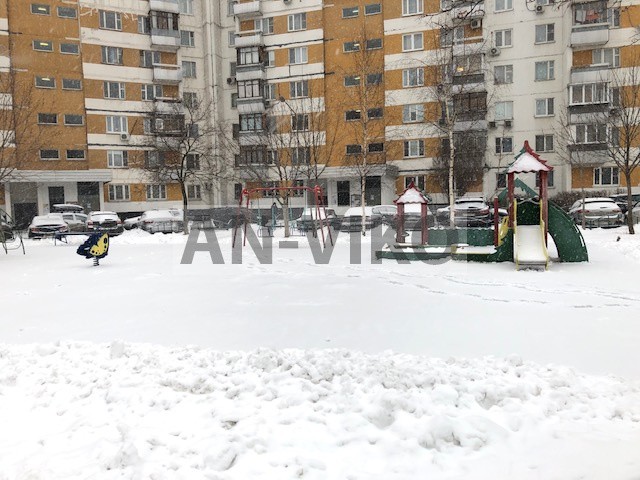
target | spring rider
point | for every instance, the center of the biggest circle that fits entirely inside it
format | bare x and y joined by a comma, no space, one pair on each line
96,247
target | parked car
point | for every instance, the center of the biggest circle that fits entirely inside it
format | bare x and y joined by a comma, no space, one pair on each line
131,223
162,221
77,221
468,212
352,219
108,222
621,200
597,212
310,219
67,208
636,213
412,217
387,212
47,225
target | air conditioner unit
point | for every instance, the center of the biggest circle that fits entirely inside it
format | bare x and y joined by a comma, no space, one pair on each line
231,80
494,51
125,137
507,123
492,124
539,8
476,23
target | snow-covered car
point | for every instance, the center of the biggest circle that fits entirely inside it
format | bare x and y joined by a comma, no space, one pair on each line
412,217
131,223
621,200
310,218
636,213
161,221
468,212
597,212
387,212
352,219
107,222
77,221
47,225
67,208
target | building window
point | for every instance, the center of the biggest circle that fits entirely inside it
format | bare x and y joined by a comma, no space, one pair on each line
39,9
501,180
144,24
418,181
504,111
374,113
47,118
374,79
549,179
376,147
373,9
49,154
187,38
299,122
502,5
188,69
544,107
112,55
194,192
545,70
589,93
118,193
67,12
149,58
117,124
591,133
234,100
504,145
413,148
45,82
115,90
351,81
110,20
350,12
412,77
503,38
545,33
265,25
75,155
186,6
270,91
413,113
232,38
300,156
412,7
251,122
190,99
606,176
298,55
249,89
237,191
374,44
595,12
297,21
354,149
606,56
117,158
270,61
156,192
71,119
544,143
351,47
70,48
42,46
449,36
412,41
299,89
503,74
249,56
192,161
151,92
351,115
71,84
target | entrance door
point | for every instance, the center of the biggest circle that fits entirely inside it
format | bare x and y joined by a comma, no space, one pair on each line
56,195
344,189
373,190
89,196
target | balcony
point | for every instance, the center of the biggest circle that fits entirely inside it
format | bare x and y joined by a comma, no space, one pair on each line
252,40
168,105
165,39
247,10
251,105
469,12
589,35
250,72
164,6
167,74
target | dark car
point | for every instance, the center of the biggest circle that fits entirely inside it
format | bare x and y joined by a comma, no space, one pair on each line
352,220
108,222
468,212
621,200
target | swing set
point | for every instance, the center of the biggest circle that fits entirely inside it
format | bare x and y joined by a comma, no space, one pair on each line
318,211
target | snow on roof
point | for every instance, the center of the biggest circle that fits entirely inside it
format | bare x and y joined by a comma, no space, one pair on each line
528,161
411,195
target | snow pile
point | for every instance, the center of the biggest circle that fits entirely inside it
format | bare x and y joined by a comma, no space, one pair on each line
615,240
79,410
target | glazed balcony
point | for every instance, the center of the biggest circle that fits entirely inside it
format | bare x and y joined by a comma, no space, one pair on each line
171,6
247,10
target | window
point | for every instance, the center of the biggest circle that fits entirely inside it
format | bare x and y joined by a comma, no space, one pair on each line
411,7
504,145
164,21
412,77
501,180
414,148
545,33
264,25
350,12
351,81
232,39
374,79
186,6
468,64
45,82
114,90
352,115
502,5
470,105
156,192
299,89
71,84
297,21
606,56
376,147
591,133
110,20
545,70
118,193
504,111
117,124
413,113
251,122
589,93
144,24
194,192
544,143
251,156
71,119
374,44
299,122
39,9
67,12
412,41
188,69
418,181
595,12
75,155
190,99
43,46
149,58
187,38
249,89
193,161
249,56
47,118
544,107
354,149
70,48
237,190
300,155
373,9
49,154
151,92
503,38
549,179
351,46
449,36
234,100
270,91
297,55
503,74
374,113
117,158
606,176
153,159
112,55
270,61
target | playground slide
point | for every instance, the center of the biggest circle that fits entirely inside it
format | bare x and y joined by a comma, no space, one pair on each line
530,248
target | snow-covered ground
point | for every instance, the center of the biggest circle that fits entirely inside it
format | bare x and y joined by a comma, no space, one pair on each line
145,368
